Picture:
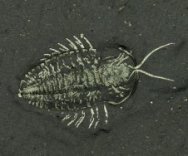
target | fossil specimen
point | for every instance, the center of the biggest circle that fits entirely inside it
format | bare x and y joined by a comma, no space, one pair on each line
74,79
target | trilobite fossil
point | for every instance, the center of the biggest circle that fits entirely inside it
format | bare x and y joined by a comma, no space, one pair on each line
74,79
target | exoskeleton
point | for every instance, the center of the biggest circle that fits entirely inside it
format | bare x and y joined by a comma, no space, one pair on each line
73,79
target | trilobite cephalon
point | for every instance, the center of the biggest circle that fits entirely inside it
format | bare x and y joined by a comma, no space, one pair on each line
74,78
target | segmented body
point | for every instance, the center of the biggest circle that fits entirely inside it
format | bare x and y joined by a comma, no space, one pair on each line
74,78
79,88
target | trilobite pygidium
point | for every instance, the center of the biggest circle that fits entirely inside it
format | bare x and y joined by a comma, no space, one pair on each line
74,79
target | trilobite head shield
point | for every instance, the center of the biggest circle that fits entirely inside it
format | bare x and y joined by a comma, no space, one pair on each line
129,72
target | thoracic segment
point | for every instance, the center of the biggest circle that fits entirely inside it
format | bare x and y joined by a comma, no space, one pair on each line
77,118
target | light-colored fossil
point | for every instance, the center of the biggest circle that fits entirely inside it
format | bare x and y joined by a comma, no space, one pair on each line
74,78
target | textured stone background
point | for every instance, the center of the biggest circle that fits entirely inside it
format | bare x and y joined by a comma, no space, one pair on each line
154,121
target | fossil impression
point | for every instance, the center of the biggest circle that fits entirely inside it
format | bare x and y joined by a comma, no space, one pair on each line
74,79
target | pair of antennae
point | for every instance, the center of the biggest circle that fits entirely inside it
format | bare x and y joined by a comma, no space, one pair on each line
137,68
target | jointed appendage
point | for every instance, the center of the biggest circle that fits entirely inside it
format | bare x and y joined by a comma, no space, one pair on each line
138,70
151,53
